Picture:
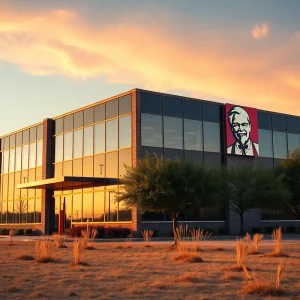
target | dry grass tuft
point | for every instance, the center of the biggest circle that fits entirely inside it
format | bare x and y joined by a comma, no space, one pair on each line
44,250
241,252
25,257
253,247
11,233
119,247
277,238
89,238
78,247
189,277
59,241
263,286
147,236
229,276
189,257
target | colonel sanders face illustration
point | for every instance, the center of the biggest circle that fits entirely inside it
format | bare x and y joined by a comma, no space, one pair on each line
240,124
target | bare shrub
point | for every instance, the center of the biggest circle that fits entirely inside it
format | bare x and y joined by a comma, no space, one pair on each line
89,238
44,249
147,236
277,239
59,241
263,286
78,248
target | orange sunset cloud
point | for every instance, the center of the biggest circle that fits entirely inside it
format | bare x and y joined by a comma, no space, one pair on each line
229,66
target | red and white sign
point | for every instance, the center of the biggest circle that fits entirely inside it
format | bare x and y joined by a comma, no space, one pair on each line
241,130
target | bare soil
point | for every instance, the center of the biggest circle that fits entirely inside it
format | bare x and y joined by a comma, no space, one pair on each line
138,272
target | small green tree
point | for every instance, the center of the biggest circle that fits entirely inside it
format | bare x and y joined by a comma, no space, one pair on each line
169,186
290,168
250,188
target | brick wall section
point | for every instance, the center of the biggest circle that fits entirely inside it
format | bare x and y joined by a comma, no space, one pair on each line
136,142
47,172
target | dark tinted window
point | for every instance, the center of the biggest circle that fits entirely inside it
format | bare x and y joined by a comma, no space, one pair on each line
125,105
59,126
172,107
100,112
151,103
192,110
212,159
264,120
68,123
88,116
26,136
78,119
293,125
32,133
112,109
265,162
194,156
173,153
151,151
12,141
39,132
278,123
19,139
211,112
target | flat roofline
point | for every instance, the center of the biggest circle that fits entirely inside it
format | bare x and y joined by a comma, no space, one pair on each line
19,130
68,182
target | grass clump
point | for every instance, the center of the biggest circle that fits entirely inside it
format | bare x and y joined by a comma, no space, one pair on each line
44,250
25,257
262,286
253,248
147,236
241,253
89,238
78,248
188,257
277,239
59,241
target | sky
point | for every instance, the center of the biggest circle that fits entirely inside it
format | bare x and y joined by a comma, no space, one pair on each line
57,56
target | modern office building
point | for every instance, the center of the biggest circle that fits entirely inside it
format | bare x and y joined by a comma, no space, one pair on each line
77,159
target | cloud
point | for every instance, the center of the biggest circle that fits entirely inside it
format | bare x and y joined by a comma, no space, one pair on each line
260,31
216,66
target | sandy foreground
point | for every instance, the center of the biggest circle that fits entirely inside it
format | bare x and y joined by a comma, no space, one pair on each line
133,271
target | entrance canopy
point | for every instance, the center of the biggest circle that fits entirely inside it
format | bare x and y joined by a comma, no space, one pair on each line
65,182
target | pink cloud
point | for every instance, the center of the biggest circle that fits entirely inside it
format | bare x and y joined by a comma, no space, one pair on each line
260,31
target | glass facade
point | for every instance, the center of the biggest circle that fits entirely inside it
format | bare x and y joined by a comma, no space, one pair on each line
21,162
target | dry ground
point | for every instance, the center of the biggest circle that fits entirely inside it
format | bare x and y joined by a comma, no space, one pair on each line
138,272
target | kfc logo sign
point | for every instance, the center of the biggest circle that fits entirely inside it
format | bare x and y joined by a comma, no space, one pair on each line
241,130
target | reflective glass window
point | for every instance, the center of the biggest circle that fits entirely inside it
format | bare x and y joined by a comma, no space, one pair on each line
78,143
151,130
78,119
125,158
30,211
100,112
124,213
68,145
19,139
280,144
125,105
88,116
279,123
112,135
68,168
170,153
173,133
293,141
12,141
111,109
38,210
77,208
172,106
151,103
59,148
265,143
25,156
125,132
5,163
58,170
192,109
211,137
111,207
32,134
39,132
193,135
32,155
10,211
99,138
293,125
4,187
88,141
5,142
112,164
12,160
68,123
39,153
99,165
264,120
18,158
88,164
59,126
99,207
194,156
26,136
211,112
77,167
87,207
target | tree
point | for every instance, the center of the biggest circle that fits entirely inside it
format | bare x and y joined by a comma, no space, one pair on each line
290,168
250,188
169,186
